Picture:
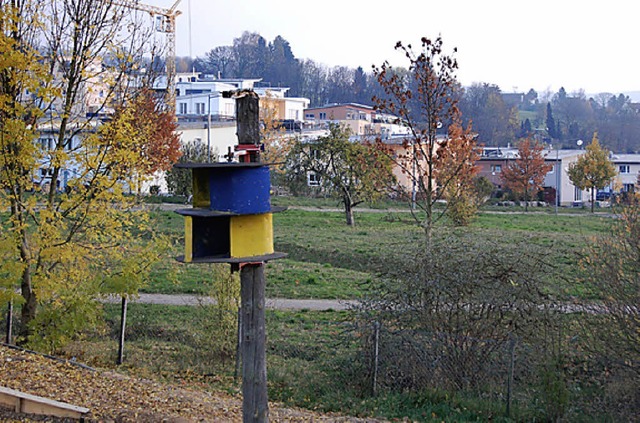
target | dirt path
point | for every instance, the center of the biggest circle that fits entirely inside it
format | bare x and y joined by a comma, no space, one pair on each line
271,303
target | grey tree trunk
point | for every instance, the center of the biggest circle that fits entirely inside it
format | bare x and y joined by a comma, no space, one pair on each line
348,211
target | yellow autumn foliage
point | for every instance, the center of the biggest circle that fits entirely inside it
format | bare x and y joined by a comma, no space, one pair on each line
64,249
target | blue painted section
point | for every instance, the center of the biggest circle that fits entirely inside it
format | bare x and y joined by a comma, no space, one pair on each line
241,190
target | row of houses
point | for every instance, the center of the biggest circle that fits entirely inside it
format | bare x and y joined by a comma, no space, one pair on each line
557,182
205,115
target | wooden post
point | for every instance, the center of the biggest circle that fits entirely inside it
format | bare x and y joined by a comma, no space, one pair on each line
255,406
376,352
9,322
512,357
248,117
123,324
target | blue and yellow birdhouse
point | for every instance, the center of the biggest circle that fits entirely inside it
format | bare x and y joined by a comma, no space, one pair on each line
231,218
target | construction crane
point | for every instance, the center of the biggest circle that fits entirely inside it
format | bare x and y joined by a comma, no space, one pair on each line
167,25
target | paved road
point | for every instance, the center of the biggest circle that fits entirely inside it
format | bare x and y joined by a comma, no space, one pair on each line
271,303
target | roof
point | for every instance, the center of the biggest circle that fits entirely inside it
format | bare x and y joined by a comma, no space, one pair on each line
503,153
335,105
625,158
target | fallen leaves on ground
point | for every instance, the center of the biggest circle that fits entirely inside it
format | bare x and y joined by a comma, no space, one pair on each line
113,397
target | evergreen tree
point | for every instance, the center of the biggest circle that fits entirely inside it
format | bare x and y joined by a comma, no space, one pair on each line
551,123
526,129
360,94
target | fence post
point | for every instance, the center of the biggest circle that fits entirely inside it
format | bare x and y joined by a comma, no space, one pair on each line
9,322
376,349
123,323
512,353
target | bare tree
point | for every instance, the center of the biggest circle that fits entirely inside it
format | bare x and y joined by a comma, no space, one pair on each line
424,99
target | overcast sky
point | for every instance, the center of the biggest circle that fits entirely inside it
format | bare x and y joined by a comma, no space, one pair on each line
544,45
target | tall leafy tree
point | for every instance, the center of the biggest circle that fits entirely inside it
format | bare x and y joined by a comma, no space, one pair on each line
180,180
351,171
593,170
525,175
424,99
313,82
75,245
218,61
339,83
495,122
282,68
251,55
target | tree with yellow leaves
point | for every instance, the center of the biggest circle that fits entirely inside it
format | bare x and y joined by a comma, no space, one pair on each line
61,66
593,170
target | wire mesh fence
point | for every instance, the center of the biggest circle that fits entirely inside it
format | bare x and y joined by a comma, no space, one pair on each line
403,360
316,357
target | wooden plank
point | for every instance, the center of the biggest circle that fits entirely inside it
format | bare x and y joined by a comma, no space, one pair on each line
251,235
22,402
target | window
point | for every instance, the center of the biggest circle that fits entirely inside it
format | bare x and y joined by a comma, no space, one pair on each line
496,168
313,180
628,188
183,108
323,116
624,169
46,143
310,116
200,108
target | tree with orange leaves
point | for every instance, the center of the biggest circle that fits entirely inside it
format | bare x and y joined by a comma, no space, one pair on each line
156,130
525,175
455,171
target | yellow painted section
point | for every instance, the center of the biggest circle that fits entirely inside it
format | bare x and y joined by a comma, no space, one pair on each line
201,196
251,235
188,239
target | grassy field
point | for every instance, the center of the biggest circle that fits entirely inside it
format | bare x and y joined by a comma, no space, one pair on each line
315,359
313,362
329,260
